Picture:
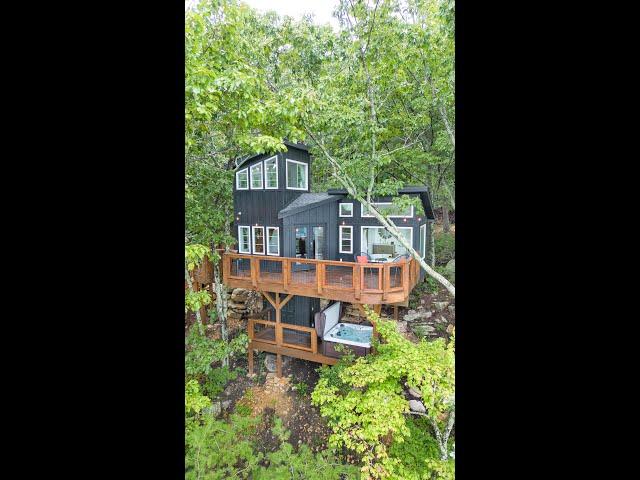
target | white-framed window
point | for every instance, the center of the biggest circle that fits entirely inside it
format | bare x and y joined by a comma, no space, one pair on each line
242,179
271,173
297,175
345,239
346,210
244,239
256,176
385,207
423,240
379,243
258,240
273,241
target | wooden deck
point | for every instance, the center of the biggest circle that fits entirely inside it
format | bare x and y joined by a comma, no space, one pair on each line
370,283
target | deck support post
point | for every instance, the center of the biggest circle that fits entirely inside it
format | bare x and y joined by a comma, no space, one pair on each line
250,360
278,365
395,312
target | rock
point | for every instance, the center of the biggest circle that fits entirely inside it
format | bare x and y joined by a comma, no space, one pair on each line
450,328
214,409
226,404
270,363
401,327
415,393
240,295
440,305
414,315
452,309
424,326
417,406
450,270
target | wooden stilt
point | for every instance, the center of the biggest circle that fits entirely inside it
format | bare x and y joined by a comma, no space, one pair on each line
278,365
395,312
250,359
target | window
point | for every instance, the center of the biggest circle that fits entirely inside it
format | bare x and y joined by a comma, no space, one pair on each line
423,240
273,241
242,179
256,176
385,207
346,210
297,175
258,240
346,239
271,173
244,240
379,243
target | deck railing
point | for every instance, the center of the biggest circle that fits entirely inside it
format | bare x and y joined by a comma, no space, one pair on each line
283,335
370,283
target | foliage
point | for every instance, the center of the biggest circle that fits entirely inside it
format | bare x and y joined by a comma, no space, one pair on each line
193,301
195,253
217,379
364,403
302,388
445,247
194,401
303,464
217,450
202,351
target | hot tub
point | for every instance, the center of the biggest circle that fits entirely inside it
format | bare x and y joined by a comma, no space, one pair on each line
355,338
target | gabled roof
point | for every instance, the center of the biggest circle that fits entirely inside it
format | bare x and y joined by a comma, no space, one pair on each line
246,158
307,201
422,190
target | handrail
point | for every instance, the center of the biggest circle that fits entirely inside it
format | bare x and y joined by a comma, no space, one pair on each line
322,280
279,328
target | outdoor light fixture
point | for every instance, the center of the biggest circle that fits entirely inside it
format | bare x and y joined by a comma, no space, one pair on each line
404,219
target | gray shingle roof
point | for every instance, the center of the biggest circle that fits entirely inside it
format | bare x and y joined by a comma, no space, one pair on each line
306,201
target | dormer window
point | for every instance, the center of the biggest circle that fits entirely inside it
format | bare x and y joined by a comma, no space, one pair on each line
256,176
271,173
242,179
297,175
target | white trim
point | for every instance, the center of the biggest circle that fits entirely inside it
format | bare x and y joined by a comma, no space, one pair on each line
340,210
240,239
423,237
363,246
275,157
362,215
246,170
350,227
253,243
259,165
306,179
267,241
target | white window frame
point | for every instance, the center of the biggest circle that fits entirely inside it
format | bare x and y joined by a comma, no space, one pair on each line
238,187
267,241
266,186
340,210
362,246
259,165
253,240
306,176
423,236
344,227
240,228
389,216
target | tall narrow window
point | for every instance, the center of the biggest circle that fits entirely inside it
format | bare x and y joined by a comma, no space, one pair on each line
244,239
258,240
256,176
271,173
346,239
423,240
242,179
297,175
346,210
273,241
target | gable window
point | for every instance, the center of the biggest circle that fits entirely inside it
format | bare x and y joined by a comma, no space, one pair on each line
244,239
346,210
346,239
256,176
385,208
297,175
258,240
273,241
423,240
271,173
242,179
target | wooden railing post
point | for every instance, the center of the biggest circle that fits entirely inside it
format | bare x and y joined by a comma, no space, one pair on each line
255,271
314,342
386,280
356,281
250,326
320,272
226,266
405,278
286,270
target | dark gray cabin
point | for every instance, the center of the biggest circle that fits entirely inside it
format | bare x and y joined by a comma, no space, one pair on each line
276,214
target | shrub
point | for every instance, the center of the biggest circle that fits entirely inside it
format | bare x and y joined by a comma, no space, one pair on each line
201,352
194,401
445,247
217,379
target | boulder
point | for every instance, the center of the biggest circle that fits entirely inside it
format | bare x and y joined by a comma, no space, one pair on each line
450,328
452,309
240,295
417,406
450,270
415,393
413,315
440,306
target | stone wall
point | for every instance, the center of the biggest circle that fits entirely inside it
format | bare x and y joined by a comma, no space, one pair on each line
241,304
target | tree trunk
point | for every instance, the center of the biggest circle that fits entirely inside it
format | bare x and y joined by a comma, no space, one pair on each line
187,277
445,218
432,244
221,308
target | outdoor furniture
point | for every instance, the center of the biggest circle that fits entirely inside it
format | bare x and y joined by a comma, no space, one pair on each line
399,258
363,257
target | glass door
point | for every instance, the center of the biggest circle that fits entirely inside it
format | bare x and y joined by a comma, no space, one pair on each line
319,244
